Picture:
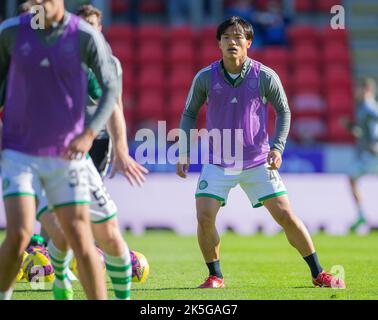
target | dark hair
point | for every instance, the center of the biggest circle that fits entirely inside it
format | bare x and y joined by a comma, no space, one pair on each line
24,7
244,25
88,10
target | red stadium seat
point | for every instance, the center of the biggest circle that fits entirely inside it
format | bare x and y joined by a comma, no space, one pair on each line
304,5
329,35
275,56
181,53
207,36
336,53
123,51
119,6
120,32
129,118
208,53
181,33
128,81
150,33
150,106
298,34
255,54
326,5
177,100
151,6
150,78
306,54
340,101
150,53
176,105
306,79
180,78
308,129
337,76
308,104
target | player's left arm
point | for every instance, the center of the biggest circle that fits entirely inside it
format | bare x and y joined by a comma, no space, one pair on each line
272,90
122,161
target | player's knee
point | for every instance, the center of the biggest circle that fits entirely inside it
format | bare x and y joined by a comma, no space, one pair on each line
110,239
18,240
286,218
206,217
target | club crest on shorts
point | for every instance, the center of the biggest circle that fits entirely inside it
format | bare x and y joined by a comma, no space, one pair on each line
203,184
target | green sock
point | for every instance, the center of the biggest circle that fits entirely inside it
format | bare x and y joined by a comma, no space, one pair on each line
60,261
119,271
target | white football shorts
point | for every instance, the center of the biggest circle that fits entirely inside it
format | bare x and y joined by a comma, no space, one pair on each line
259,183
102,207
65,181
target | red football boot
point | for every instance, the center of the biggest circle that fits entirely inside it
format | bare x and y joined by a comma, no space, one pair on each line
327,280
212,282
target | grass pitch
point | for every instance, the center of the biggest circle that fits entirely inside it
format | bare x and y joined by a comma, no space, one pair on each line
255,268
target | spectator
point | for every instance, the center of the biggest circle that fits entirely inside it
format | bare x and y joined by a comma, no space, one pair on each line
246,10
273,23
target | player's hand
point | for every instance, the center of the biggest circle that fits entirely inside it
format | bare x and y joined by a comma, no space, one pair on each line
182,167
274,160
80,145
132,170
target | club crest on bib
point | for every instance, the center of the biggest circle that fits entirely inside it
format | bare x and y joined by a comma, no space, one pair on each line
252,84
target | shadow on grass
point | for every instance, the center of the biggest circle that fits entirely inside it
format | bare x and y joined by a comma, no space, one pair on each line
31,290
164,289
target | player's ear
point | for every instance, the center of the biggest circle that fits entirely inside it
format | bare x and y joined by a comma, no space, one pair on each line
249,43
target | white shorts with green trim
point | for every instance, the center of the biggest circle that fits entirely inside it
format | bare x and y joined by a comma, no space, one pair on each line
65,181
102,207
258,183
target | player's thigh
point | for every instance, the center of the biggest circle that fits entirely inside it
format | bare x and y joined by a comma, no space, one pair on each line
20,186
215,184
65,182
102,207
75,222
20,218
261,184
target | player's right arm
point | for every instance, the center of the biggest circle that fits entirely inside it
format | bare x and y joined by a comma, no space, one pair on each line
196,98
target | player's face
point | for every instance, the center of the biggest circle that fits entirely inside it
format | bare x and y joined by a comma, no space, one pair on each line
233,43
51,7
93,21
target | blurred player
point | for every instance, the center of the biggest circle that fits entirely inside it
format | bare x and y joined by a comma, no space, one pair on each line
237,90
366,132
44,138
103,209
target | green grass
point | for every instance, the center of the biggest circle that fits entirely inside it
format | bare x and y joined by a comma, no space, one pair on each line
255,267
